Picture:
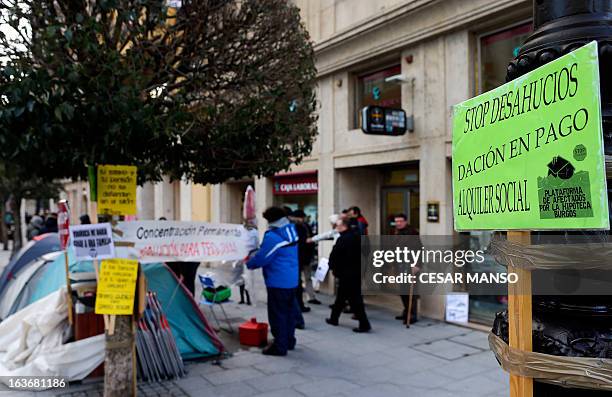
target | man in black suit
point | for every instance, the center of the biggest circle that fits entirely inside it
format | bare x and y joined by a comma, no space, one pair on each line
345,263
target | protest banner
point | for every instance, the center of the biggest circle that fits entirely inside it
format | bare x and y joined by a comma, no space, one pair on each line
92,242
173,241
529,154
116,189
116,286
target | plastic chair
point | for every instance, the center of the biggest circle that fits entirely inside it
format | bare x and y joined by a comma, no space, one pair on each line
209,282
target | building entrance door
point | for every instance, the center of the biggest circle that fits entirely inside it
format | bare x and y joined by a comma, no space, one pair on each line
399,200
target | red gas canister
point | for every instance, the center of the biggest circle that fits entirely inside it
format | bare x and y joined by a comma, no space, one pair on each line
253,333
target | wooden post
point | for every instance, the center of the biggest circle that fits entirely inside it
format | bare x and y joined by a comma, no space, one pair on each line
120,347
520,316
409,314
93,218
68,289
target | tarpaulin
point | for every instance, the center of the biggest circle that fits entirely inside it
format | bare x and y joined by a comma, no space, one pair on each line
577,254
581,372
32,343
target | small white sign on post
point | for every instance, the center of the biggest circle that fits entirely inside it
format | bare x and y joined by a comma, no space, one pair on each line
457,307
92,241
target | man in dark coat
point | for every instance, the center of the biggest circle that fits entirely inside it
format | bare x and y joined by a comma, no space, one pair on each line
306,251
345,263
358,221
50,224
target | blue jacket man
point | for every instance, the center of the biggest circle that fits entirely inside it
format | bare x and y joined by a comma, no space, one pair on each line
278,258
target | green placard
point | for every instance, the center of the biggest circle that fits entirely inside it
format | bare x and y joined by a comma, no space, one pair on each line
529,154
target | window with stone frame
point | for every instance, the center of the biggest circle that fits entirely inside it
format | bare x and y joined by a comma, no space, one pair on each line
373,89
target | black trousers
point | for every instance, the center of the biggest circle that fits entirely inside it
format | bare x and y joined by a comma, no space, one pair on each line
405,302
300,291
282,307
188,270
350,292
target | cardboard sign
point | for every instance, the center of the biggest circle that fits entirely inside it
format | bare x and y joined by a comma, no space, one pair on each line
117,286
92,241
173,241
457,307
117,189
529,154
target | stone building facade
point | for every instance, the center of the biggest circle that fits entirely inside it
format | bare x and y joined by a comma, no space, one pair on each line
423,56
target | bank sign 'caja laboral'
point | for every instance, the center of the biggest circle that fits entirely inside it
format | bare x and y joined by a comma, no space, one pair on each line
293,184
529,154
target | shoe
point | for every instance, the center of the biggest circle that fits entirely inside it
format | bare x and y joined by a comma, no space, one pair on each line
241,303
314,301
300,326
272,350
401,317
362,330
331,322
305,309
292,345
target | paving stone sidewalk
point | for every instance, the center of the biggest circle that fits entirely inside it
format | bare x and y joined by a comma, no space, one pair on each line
431,359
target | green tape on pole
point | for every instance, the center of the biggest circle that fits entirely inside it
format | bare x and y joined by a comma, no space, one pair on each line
529,155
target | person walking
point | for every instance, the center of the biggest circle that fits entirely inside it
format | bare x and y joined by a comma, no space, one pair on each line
34,227
50,225
345,263
328,235
331,235
278,258
306,252
358,221
403,228
239,277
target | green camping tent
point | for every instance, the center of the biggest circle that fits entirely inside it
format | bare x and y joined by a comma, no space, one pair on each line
194,336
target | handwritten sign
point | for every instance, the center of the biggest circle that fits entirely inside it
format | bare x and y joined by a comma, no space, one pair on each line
117,189
172,241
457,307
117,287
92,241
529,154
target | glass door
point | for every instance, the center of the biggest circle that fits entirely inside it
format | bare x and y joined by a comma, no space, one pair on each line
399,200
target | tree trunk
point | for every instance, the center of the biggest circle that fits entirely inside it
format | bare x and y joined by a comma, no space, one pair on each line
3,231
16,209
119,376
120,349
